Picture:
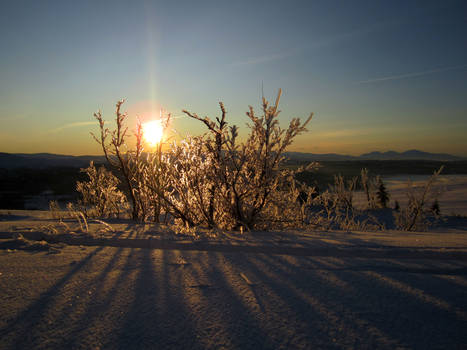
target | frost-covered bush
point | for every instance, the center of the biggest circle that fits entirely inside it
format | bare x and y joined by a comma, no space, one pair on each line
100,194
131,164
113,143
242,179
54,209
212,179
342,192
289,205
413,216
371,186
329,211
188,178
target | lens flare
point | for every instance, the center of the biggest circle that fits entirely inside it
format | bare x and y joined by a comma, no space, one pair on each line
152,132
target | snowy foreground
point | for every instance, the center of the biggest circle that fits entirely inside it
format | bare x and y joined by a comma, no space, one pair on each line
327,290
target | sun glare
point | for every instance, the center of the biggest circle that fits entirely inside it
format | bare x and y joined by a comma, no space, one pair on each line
152,132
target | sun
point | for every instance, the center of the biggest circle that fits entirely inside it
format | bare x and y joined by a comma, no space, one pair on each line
152,132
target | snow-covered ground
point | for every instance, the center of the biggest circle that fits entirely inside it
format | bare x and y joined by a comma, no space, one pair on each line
121,298
259,290
451,191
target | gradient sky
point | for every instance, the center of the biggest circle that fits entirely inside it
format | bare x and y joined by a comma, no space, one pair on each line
379,75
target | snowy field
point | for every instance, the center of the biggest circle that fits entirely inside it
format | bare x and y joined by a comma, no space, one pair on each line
259,290
451,191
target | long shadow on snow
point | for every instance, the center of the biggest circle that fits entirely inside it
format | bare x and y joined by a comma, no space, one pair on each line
156,317
25,324
419,321
237,320
301,300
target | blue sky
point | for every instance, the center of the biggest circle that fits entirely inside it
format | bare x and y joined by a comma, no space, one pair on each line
378,75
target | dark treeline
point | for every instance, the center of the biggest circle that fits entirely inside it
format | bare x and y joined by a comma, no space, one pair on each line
18,184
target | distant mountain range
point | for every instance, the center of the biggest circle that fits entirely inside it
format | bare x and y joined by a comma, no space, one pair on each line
45,160
389,155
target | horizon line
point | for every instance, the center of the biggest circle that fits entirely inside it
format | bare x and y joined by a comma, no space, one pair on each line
302,152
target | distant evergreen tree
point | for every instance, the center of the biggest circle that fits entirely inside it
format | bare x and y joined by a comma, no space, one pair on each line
435,208
383,195
397,206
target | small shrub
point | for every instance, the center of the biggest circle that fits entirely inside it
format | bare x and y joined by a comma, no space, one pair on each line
370,187
327,212
182,228
100,195
54,209
79,216
413,216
